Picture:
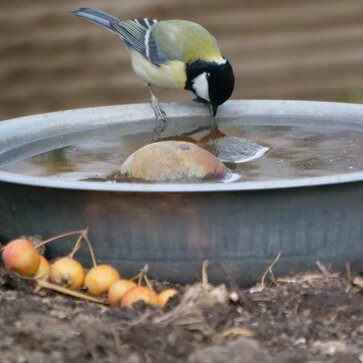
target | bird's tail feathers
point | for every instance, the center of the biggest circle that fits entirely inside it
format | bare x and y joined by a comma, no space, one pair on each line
97,16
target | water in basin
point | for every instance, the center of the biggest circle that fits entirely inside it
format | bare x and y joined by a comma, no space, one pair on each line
297,148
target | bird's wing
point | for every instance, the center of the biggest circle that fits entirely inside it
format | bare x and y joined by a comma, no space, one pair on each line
159,41
169,40
185,41
137,34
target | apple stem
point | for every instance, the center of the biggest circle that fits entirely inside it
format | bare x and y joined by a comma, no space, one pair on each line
83,235
90,248
148,283
143,275
76,247
58,236
205,273
142,272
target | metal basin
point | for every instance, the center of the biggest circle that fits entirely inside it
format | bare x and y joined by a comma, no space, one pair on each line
174,227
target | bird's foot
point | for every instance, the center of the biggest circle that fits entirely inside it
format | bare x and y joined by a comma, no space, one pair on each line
160,120
159,114
159,128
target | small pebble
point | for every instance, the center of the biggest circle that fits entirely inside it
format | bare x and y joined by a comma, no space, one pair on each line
330,348
61,315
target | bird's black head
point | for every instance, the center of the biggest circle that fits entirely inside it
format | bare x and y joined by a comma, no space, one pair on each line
212,82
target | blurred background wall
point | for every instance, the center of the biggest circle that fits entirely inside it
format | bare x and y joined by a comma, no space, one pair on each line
280,49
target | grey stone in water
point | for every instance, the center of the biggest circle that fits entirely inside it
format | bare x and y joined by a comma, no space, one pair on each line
233,149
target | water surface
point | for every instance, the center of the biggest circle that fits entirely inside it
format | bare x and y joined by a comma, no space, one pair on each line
298,148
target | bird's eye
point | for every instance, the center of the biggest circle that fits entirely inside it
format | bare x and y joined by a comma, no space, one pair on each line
208,74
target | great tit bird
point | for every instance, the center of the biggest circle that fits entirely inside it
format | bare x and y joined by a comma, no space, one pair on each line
174,54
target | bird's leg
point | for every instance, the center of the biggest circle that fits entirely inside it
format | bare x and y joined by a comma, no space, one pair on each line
159,114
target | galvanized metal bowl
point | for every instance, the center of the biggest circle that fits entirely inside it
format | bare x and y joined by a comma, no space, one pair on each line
174,227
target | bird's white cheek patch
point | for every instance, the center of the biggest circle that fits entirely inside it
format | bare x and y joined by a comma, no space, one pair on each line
200,86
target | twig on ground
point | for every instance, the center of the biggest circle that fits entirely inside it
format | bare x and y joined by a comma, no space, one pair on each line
358,281
143,317
237,331
269,270
348,269
180,311
233,286
63,290
188,312
325,271
205,273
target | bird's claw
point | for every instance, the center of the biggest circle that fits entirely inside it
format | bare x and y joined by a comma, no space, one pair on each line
159,114
160,118
159,128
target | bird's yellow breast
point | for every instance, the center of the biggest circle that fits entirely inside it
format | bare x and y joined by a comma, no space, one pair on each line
169,75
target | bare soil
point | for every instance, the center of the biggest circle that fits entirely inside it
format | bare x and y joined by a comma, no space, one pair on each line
313,317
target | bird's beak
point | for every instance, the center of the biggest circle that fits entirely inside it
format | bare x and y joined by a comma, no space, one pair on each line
213,109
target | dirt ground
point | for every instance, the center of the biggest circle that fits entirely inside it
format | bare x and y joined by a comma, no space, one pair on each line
314,317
